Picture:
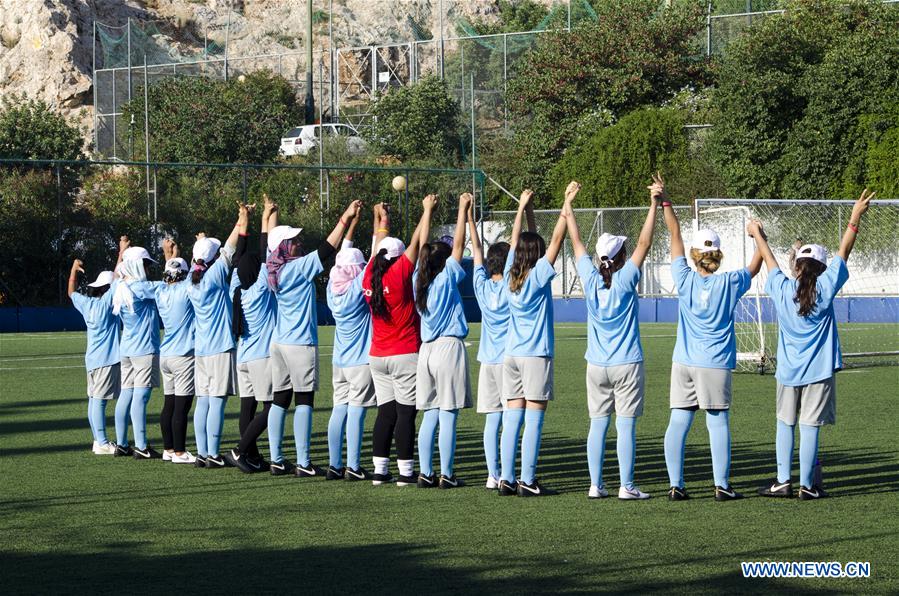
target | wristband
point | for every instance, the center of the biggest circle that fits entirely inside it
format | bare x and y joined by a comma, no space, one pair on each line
853,227
666,203
344,223
385,230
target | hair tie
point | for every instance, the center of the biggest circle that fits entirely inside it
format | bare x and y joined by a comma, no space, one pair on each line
199,267
605,263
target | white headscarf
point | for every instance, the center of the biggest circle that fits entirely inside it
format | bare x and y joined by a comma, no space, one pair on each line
128,271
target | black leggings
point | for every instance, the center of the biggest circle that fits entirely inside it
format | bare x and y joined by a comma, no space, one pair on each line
173,421
251,432
394,420
300,398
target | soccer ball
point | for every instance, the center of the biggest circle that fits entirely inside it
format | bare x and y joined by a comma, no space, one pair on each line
399,183
241,79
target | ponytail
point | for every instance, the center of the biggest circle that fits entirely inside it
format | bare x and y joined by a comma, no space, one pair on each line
609,266
431,261
198,270
237,313
379,266
708,261
807,272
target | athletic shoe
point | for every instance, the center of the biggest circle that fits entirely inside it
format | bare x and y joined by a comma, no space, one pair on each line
230,457
450,482
215,461
676,493
148,453
726,494
492,483
104,449
240,461
426,481
257,463
783,490
282,468
534,489
352,475
335,473
167,454
810,494
125,451
377,479
200,461
631,494
407,480
308,471
185,458
507,489
597,492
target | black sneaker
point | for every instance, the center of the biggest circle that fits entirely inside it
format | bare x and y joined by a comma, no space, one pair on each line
257,463
308,471
282,468
726,494
231,457
810,494
426,481
241,461
450,481
407,480
352,475
533,490
507,489
125,451
200,462
215,462
676,493
377,479
147,453
783,490
335,473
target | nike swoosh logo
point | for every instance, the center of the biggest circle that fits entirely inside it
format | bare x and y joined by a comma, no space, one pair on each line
729,493
254,466
812,493
777,487
310,471
450,482
535,491
355,475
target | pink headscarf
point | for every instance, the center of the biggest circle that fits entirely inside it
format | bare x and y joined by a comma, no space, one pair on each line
348,264
277,259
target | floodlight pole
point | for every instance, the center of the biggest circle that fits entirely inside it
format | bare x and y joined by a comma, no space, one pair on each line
310,98
441,39
95,86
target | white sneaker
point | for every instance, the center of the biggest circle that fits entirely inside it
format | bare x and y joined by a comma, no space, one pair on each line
185,458
492,483
104,449
167,455
597,492
628,494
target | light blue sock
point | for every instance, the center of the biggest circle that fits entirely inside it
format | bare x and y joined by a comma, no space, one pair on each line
215,423
336,426
808,453
97,411
784,449
90,417
447,441
201,412
302,433
355,428
626,429
276,417
491,442
426,433
508,442
530,444
122,413
139,415
596,448
718,423
676,444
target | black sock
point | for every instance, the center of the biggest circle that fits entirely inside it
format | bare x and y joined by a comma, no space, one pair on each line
282,398
382,436
179,421
304,398
405,431
247,411
165,422
253,431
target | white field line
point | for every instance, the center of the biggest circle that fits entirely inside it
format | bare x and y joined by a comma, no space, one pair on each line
40,367
30,358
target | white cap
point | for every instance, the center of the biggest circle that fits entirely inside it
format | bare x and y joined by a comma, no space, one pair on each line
136,253
813,251
175,265
393,246
279,234
205,249
104,279
347,257
706,241
608,245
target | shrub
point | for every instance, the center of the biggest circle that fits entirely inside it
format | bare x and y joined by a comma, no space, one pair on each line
29,129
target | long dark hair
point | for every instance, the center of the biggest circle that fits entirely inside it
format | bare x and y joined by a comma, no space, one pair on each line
197,274
379,266
247,271
807,272
431,261
609,266
496,258
528,251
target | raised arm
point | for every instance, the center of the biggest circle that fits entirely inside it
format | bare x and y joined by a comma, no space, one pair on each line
644,241
677,241
77,267
124,244
558,237
529,216
465,202
348,237
523,202
757,232
336,235
240,227
755,264
269,214
422,229
851,233
571,222
477,251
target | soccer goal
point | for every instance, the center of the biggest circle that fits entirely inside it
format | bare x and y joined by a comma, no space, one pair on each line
867,306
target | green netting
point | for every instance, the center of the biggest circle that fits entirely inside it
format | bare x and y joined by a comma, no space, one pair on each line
581,10
152,40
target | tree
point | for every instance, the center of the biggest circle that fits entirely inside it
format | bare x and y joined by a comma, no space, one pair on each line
29,129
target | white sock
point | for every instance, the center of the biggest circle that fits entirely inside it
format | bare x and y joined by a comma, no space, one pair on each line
381,464
406,466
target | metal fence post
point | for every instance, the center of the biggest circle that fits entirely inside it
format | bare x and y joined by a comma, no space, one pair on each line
59,231
708,30
406,207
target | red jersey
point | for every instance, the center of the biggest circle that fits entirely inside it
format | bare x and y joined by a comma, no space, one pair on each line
399,335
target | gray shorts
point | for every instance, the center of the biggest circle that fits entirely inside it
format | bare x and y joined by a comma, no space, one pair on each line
708,388
490,388
214,375
254,379
815,403
443,378
528,377
353,386
104,382
294,367
177,375
616,389
394,378
140,371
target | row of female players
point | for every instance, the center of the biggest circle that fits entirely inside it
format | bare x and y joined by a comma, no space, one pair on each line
399,346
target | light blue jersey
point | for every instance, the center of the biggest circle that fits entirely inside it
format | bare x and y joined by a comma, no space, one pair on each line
531,308
494,304
177,314
808,348
102,329
212,307
613,327
352,317
297,323
260,310
445,317
140,321
705,319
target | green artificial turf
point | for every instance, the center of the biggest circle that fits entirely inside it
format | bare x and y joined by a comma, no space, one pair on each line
74,522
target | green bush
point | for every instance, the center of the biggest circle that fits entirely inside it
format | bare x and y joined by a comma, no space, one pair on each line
29,129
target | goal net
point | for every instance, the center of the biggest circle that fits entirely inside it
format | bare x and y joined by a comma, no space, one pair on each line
867,307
